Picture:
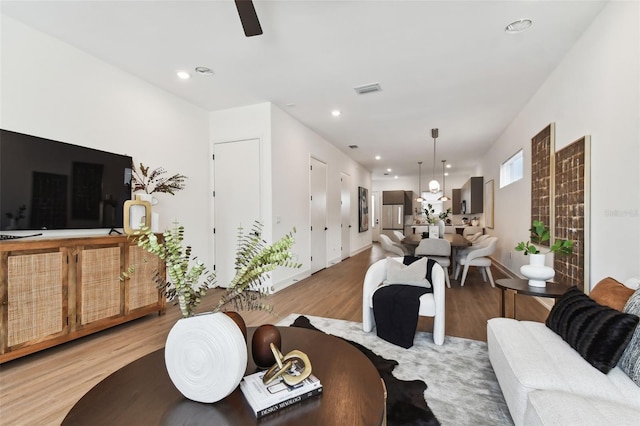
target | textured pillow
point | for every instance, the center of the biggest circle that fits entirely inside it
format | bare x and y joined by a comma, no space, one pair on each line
630,359
413,274
598,333
611,293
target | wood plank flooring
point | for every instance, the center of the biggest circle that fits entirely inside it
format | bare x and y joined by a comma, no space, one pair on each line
40,389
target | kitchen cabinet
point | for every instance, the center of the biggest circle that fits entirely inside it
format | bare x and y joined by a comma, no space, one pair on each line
56,290
473,195
456,201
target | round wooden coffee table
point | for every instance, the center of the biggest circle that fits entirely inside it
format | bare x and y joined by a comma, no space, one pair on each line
142,393
520,286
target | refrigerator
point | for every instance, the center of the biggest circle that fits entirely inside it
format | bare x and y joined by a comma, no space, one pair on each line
392,218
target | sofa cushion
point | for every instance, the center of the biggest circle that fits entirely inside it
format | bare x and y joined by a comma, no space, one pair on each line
563,408
598,333
612,293
630,359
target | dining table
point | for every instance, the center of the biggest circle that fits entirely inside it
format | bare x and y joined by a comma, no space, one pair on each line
457,242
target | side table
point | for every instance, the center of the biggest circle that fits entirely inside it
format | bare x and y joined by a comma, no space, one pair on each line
520,286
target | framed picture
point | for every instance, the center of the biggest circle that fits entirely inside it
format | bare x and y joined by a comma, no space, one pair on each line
488,207
363,209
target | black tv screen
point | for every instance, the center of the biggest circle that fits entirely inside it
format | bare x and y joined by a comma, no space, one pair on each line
46,184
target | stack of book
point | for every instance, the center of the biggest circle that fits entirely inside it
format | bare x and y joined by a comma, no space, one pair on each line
277,395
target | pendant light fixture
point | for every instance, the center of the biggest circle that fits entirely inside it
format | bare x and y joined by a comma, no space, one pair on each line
420,199
444,196
434,185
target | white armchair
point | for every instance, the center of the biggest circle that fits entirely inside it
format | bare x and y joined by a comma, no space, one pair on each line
477,256
431,304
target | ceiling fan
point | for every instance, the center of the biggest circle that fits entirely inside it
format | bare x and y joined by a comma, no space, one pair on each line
248,17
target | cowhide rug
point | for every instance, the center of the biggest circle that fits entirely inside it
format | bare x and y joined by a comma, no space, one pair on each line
427,384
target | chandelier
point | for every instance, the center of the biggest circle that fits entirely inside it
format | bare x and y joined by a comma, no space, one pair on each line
434,185
444,197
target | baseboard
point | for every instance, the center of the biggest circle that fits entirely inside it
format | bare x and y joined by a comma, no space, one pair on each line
290,281
546,302
361,249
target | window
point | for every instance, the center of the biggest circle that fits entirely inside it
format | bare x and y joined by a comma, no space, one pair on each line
511,170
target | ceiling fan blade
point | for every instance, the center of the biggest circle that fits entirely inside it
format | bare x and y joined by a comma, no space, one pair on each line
248,17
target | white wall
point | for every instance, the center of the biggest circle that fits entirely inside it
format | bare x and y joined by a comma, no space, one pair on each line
594,91
55,91
288,146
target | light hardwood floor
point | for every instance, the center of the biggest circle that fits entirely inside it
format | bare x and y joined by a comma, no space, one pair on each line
40,389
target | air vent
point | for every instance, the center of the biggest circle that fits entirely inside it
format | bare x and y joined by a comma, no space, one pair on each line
353,146
367,88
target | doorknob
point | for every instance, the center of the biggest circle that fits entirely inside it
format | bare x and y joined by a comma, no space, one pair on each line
325,228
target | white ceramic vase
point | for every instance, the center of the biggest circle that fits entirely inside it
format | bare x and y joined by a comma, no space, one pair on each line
206,356
537,272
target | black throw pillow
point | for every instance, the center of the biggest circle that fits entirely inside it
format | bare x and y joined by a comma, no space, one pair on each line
598,333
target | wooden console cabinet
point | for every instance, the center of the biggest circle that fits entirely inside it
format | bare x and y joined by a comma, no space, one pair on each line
59,289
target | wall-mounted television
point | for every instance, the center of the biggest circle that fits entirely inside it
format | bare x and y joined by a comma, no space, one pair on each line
45,184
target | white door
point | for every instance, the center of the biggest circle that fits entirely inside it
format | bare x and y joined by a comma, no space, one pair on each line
345,208
236,201
376,210
318,200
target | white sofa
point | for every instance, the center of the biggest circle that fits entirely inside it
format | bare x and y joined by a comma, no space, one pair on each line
546,382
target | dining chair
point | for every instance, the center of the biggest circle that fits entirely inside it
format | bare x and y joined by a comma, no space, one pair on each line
397,236
439,250
477,256
388,245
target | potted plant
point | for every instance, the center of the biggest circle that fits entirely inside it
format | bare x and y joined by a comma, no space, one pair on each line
540,234
214,337
437,221
536,270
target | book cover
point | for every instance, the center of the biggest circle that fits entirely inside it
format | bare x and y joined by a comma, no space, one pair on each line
266,399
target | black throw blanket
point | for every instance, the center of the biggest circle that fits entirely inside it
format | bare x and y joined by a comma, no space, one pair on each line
395,308
405,399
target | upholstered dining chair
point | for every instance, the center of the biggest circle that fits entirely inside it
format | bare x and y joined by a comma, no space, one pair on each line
396,248
397,236
477,256
431,304
439,250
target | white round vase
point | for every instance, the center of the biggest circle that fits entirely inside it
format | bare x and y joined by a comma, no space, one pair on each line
536,271
206,356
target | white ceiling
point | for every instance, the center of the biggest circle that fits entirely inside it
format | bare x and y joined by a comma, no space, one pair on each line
445,64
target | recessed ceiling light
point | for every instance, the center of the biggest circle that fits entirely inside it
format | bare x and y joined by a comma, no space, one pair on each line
388,170
446,174
395,177
204,71
335,113
377,157
183,75
518,26
448,166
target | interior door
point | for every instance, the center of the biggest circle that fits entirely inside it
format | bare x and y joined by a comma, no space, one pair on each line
237,199
376,209
318,208
345,208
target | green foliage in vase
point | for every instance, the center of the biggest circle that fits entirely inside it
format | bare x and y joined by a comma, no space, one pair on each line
539,234
154,181
432,217
189,279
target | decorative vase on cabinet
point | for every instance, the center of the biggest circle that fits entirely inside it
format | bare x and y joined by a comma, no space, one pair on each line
536,270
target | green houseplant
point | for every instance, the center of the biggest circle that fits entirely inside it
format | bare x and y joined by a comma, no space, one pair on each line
539,234
536,271
189,279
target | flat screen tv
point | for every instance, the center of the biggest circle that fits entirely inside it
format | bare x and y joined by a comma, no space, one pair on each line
45,184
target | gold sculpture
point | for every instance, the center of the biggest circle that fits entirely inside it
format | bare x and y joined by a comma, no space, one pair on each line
293,367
